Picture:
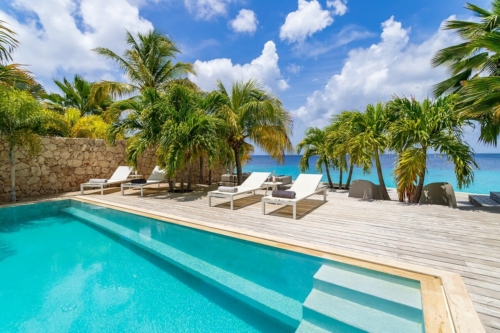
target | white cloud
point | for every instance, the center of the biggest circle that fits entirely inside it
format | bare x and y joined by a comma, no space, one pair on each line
309,18
293,69
207,9
339,6
58,35
393,66
264,68
245,21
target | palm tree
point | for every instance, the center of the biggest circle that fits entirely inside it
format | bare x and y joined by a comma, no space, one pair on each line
149,63
79,95
253,116
22,121
315,144
420,127
474,65
341,141
10,74
189,133
371,139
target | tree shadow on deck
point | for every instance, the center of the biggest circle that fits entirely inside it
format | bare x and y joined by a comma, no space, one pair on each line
240,202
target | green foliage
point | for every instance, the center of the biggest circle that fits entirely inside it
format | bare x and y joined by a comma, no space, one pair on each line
253,116
422,126
79,94
474,66
148,63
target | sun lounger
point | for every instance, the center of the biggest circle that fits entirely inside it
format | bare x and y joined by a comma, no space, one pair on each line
121,174
250,185
304,187
156,177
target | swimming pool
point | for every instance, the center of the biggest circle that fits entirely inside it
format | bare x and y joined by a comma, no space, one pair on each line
73,266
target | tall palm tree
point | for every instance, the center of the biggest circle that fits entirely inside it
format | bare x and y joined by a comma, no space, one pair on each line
149,63
315,143
78,94
420,127
474,65
8,43
371,128
22,121
254,116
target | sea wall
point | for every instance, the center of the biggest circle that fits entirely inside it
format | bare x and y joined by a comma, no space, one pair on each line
64,163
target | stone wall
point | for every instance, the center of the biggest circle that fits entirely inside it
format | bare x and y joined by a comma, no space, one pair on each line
64,163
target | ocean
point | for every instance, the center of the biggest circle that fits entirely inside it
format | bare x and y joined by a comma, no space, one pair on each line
486,178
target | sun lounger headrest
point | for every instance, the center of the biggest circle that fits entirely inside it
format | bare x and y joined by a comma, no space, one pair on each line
306,183
283,194
121,173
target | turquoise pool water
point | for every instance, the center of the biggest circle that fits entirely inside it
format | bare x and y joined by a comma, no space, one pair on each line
67,266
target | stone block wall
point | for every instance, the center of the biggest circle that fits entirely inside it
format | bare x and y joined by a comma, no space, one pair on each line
64,163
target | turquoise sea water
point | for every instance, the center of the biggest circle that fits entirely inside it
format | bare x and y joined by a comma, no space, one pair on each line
68,266
486,179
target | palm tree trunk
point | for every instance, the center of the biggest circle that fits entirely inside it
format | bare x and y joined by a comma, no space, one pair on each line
202,176
420,186
340,178
190,177
182,181
349,178
237,158
330,184
12,175
171,185
210,177
383,189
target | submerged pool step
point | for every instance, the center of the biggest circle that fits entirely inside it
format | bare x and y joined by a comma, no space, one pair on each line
336,314
374,290
267,301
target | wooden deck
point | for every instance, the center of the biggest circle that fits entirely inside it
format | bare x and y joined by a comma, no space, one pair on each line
465,241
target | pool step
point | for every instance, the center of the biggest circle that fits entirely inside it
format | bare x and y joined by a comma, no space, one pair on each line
337,314
307,327
267,301
345,300
493,200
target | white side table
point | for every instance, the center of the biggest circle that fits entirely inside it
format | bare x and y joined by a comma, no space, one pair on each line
272,185
134,176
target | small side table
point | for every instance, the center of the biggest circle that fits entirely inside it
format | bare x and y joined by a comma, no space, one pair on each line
134,176
272,185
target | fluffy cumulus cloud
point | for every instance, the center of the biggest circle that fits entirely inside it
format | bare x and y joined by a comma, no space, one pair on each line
263,68
339,6
392,66
310,18
51,43
207,9
245,21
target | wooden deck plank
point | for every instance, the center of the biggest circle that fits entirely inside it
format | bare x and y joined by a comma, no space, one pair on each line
466,242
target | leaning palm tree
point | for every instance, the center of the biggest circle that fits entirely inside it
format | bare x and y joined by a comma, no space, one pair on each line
22,121
371,137
254,116
315,144
474,65
420,127
149,63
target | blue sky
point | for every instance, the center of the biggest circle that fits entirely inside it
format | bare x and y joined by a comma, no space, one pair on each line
320,57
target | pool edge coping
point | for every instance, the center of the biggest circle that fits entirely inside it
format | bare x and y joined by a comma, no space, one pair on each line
447,304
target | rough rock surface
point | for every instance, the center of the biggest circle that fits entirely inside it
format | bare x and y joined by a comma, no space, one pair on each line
64,163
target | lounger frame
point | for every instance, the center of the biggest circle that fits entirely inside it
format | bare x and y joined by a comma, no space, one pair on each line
120,176
224,195
140,185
